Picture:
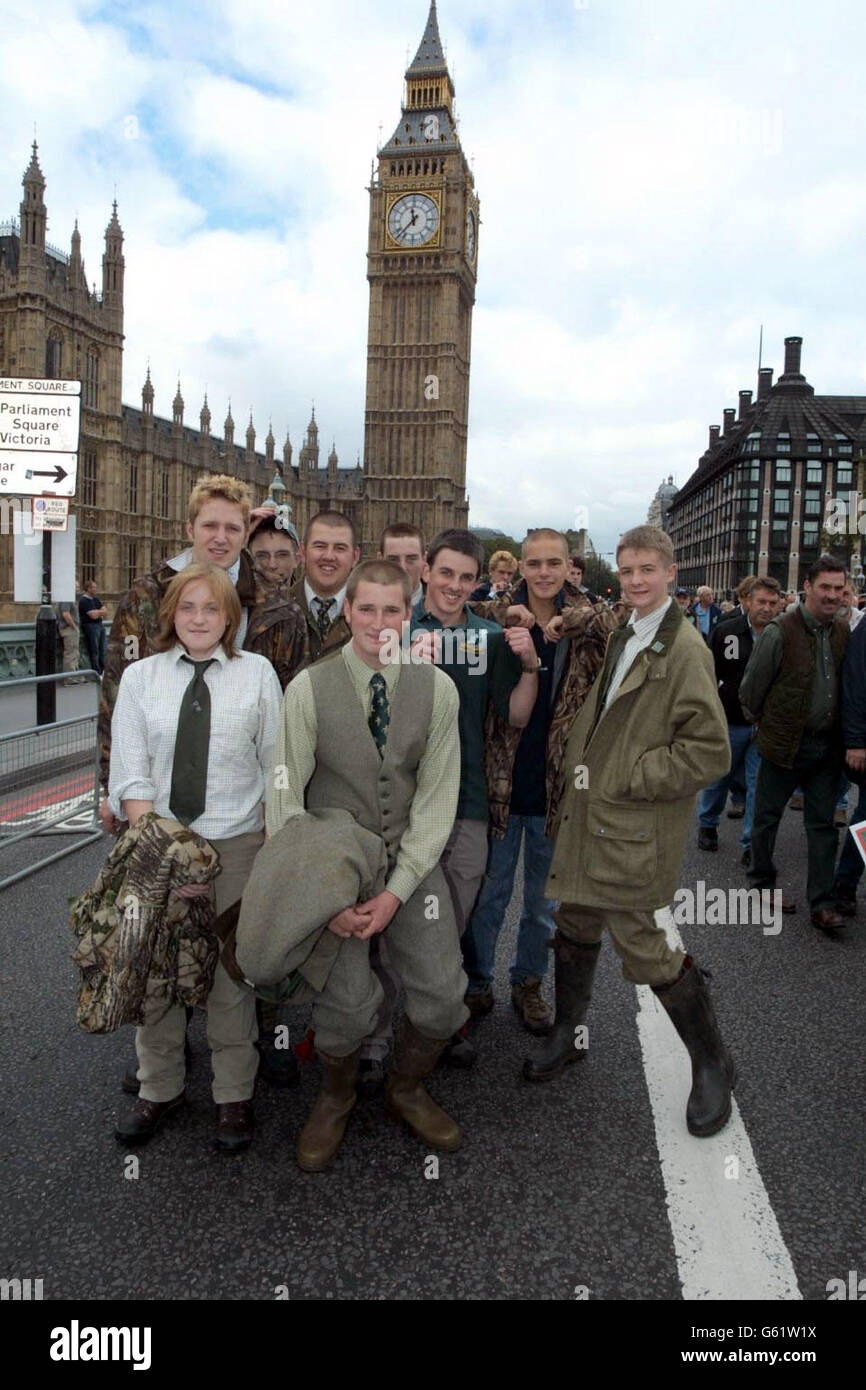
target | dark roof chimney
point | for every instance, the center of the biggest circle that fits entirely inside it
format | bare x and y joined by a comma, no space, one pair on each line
765,381
714,435
745,403
792,356
729,419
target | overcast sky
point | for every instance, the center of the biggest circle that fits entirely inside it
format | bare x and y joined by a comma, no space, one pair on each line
656,181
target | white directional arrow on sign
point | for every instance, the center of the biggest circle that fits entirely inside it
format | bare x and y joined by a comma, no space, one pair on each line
40,421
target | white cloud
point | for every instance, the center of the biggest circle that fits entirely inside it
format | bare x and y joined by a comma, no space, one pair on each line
656,181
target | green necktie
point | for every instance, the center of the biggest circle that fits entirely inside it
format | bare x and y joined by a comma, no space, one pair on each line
380,715
189,769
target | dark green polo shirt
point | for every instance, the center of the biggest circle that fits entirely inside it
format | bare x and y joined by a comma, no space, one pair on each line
483,667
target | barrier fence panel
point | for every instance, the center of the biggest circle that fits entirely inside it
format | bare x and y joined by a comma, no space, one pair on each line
49,780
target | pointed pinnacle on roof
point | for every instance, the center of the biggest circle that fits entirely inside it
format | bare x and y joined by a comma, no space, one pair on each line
430,57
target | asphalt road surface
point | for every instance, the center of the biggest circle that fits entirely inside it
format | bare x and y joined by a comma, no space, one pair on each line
585,1188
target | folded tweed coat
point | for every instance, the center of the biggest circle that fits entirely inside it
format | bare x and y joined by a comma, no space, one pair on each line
306,873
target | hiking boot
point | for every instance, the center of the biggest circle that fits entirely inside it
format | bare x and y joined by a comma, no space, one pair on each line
845,898
688,1002
138,1125
708,837
323,1133
574,967
535,1015
459,1052
479,1003
406,1099
737,810
235,1122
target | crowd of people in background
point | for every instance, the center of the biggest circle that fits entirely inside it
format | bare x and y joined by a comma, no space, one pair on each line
317,815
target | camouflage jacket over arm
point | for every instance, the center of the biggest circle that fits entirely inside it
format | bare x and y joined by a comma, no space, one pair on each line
275,629
586,627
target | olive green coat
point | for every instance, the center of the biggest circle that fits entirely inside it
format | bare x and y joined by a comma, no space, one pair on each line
632,779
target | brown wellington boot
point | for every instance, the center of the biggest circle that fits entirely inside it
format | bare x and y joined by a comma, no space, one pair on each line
414,1059
323,1133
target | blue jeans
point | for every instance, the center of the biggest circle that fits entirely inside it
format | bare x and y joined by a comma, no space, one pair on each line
744,764
850,866
536,919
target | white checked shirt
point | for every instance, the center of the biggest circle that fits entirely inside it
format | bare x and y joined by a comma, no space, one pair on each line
643,631
245,707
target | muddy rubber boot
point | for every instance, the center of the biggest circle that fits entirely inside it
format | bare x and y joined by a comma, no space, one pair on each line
323,1133
574,967
690,1006
405,1098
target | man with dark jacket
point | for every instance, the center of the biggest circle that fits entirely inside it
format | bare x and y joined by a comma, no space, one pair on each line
731,645
792,689
849,870
329,554
526,774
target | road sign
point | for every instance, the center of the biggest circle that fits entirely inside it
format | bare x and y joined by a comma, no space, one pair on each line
40,420
50,513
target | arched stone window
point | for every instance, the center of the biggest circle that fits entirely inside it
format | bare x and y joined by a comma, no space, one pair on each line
91,379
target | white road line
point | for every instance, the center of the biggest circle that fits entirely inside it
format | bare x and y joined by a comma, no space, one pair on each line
727,1240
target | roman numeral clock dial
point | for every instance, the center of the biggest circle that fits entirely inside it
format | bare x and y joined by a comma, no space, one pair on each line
413,220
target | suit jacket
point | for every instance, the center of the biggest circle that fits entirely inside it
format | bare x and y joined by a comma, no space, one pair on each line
634,770
731,645
339,633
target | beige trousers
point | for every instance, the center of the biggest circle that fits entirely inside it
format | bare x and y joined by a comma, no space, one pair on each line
462,861
638,940
231,1008
70,637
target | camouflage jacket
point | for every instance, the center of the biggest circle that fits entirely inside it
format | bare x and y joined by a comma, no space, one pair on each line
142,949
338,634
586,628
275,629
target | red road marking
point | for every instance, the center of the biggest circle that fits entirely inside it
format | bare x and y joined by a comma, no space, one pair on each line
22,806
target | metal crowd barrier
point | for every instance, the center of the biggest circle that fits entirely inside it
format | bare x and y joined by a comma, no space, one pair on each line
49,779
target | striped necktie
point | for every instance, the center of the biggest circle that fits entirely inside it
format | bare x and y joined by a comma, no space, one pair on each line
323,615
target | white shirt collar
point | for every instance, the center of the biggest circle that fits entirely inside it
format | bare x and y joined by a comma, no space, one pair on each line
179,650
180,562
337,598
644,627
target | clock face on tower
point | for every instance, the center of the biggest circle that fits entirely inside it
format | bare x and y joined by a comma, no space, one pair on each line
413,219
470,236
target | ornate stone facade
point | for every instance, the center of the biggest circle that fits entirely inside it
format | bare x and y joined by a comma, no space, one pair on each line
136,468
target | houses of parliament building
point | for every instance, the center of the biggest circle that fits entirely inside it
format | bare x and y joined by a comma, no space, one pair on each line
136,468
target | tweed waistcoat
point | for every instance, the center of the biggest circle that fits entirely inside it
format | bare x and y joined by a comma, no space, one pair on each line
349,773
786,706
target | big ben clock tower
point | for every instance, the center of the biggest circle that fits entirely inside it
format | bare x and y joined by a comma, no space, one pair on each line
422,259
